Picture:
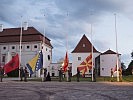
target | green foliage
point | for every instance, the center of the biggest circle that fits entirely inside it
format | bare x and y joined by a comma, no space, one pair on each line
132,54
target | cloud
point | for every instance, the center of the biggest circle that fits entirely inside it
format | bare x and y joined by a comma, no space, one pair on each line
81,13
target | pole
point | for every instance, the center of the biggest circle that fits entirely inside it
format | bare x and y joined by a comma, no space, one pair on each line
92,53
116,50
21,29
67,47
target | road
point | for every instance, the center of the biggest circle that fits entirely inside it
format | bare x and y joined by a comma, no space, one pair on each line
11,90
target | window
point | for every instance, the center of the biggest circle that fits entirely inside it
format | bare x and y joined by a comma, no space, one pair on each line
13,47
3,58
103,69
42,47
35,46
28,47
4,48
79,58
83,45
46,49
48,57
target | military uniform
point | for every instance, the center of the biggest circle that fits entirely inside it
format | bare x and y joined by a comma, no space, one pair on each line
1,73
78,75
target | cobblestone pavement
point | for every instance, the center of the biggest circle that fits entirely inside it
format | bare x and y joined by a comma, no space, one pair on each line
11,90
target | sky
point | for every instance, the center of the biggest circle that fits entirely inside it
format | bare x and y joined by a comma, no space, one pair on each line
63,20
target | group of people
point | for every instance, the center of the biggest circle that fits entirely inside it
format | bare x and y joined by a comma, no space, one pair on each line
61,73
23,74
120,74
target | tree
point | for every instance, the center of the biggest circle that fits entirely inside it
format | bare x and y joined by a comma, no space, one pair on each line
123,66
132,54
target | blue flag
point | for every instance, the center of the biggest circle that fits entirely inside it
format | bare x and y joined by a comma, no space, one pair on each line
39,63
35,63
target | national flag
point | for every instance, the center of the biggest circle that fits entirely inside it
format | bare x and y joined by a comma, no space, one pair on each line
32,64
65,63
12,64
39,63
35,63
86,65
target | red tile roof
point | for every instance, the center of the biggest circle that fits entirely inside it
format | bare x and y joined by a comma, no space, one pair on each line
29,35
84,46
109,52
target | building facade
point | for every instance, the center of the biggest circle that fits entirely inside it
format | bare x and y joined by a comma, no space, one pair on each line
81,52
102,62
32,42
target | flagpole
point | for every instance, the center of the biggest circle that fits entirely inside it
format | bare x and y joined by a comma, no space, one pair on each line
92,53
21,29
67,46
116,50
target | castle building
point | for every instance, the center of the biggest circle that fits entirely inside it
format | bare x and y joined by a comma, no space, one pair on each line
32,42
102,62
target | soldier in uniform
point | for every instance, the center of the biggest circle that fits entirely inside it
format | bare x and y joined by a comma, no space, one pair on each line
60,75
1,73
25,74
45,74
120,74
112,74
78,75
69,74
21,73
94,75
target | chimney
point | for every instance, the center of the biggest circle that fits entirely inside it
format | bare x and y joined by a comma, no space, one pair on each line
25,25
1,27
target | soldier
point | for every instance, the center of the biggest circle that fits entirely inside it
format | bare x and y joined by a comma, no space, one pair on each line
78,75
69,74
48,78
45,74
120,74
112,74
25,74
60,75
21,73
1,73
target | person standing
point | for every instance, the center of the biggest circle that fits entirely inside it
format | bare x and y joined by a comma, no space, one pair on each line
21,73
1,73
25,74
60,75
120,74
94,75
78,75
69,74
45,74
112,74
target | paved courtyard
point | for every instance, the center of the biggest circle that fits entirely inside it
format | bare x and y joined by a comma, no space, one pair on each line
11,90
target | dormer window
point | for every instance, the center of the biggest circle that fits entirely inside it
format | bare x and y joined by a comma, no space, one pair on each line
83,45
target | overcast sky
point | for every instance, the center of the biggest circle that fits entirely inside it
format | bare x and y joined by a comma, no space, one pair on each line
74,18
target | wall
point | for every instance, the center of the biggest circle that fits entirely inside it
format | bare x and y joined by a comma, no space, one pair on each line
76,62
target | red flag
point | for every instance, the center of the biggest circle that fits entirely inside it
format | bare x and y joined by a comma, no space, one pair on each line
12,64
86,65
65,63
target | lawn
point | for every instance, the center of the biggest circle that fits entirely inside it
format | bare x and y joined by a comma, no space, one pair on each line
88,79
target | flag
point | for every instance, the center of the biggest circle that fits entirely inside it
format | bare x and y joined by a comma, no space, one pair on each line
35,63
86,65
12,64
32,64
65,63
39,63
